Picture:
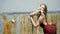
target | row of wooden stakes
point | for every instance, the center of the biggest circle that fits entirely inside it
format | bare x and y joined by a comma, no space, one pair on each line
26,26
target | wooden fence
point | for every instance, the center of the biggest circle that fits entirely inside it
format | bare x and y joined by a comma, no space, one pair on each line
26,26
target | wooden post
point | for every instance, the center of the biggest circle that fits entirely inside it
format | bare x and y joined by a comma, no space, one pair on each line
24,23
49,18
58,23
7,25
14,25
34,29
21,24
54,18
29,26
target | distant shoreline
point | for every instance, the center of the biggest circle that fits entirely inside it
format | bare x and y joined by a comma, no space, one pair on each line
49,12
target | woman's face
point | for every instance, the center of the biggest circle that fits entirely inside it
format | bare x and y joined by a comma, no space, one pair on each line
42,7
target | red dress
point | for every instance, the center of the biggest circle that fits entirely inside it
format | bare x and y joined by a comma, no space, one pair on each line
49,29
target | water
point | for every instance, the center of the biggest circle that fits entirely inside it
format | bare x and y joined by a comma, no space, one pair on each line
1,25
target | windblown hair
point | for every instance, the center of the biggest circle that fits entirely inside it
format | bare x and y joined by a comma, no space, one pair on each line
45,12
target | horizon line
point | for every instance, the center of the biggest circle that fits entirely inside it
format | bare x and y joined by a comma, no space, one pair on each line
26,12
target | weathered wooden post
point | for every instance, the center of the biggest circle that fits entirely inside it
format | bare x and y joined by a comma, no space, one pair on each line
58,23
14,24
35,29
29,25
21,24
7,25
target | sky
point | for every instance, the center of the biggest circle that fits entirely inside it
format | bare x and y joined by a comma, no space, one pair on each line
27,5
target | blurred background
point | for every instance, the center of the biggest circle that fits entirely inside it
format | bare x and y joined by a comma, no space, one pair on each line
12,7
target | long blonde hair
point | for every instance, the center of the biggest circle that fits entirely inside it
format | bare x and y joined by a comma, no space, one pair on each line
45,12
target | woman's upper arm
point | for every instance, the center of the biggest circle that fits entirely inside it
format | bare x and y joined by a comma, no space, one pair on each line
34,13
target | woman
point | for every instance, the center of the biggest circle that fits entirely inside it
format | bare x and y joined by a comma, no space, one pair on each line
48,28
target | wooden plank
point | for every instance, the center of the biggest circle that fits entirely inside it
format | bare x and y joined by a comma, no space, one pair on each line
29,25
26,26
21,24
49,18
14,25
7,25
38,30
25,23
54,18
58,23
35,29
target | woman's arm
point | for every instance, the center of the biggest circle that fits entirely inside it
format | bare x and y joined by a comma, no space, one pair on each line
41,19
38,22
33,13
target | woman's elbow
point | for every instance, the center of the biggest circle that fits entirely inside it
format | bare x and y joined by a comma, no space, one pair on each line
30,15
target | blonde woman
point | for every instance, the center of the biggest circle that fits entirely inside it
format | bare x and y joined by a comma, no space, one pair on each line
48,28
